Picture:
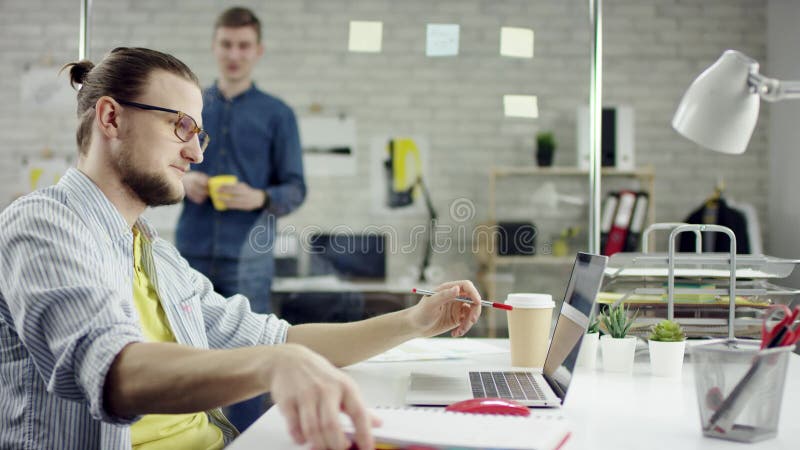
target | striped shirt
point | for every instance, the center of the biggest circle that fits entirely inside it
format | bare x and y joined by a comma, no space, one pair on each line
66,311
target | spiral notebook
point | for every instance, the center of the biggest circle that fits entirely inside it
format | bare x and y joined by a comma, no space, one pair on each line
436,428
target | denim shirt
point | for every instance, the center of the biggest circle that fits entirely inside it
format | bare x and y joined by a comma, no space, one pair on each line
253,136
66,311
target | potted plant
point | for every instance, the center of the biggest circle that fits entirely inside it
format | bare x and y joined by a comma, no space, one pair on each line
618,348
587,356
545,148
667,345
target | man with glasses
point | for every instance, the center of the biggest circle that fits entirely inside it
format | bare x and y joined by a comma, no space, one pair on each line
256,140
110,340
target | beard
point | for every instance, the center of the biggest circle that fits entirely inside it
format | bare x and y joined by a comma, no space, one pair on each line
151,188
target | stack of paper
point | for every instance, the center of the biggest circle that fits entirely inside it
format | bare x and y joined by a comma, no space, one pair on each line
428,428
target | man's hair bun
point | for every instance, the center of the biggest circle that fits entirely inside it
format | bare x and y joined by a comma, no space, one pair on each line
78,71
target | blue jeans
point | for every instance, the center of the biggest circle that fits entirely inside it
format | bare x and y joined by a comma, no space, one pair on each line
253,279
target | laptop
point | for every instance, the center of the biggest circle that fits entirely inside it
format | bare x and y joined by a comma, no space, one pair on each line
531,387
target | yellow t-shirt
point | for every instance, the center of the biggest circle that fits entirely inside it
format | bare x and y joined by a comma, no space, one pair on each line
164,431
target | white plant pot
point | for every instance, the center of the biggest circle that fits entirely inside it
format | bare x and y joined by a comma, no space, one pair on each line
666,358
587,356
618,353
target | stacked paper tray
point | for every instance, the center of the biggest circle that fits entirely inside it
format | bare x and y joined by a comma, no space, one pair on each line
698,265
694,301
698,319
705,291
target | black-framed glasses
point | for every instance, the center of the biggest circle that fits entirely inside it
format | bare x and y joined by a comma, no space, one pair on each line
185,127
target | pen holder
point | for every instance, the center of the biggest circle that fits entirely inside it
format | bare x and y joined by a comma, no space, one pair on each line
739,389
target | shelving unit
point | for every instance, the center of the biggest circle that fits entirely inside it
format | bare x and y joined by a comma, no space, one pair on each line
489,261
645,176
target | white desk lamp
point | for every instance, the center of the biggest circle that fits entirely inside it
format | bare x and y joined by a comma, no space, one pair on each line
719,112
720,108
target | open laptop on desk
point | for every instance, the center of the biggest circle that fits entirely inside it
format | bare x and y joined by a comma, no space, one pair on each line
546,388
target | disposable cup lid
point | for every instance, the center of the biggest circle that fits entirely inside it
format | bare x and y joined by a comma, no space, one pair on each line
530,300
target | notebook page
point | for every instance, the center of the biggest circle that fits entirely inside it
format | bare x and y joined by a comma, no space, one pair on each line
438,428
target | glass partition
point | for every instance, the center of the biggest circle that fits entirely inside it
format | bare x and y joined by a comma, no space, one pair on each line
396,100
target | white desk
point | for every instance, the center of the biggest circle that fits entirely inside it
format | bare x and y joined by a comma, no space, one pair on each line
608,411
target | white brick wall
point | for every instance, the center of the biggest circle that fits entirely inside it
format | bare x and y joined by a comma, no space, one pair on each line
653,49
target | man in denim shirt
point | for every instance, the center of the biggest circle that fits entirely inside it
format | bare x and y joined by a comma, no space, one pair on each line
255,139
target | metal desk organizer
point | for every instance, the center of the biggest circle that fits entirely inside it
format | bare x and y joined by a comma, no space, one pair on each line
747,277
740,388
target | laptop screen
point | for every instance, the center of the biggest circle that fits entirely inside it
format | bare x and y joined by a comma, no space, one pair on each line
573,320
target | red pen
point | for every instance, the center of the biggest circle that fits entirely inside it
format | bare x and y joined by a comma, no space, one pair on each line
467,300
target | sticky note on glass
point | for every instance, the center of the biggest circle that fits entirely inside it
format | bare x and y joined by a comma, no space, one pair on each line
526,106
516,42
365,36
442,39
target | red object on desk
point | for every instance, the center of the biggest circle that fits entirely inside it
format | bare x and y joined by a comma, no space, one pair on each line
490,405
784,332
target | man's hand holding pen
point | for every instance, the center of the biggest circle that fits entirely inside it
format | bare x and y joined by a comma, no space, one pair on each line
439,313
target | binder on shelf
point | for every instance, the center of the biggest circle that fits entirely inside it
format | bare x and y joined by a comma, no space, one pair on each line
607,219
622,219
617,146
438,429
637,222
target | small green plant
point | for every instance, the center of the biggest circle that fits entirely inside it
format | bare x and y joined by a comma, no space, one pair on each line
594,327
667,331
545,148
616,321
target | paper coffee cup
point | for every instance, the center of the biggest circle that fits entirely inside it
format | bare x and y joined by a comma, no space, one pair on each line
214,183
529,328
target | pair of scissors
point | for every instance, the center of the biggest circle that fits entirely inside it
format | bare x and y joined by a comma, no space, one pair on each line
782,332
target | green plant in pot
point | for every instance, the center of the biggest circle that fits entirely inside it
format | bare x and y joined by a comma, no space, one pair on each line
616,321
545,148
587,356
667,346
616,346
667,331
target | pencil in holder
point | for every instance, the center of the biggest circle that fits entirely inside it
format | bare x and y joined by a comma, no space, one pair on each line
740,388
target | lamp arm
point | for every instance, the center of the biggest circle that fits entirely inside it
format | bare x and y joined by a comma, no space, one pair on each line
427,196
773,90
432,216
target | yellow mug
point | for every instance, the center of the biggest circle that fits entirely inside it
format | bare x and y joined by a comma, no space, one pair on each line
214,183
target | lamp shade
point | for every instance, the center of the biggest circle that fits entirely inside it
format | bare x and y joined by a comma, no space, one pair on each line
719,110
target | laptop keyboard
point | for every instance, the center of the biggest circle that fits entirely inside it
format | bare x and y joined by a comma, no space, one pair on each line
513,385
